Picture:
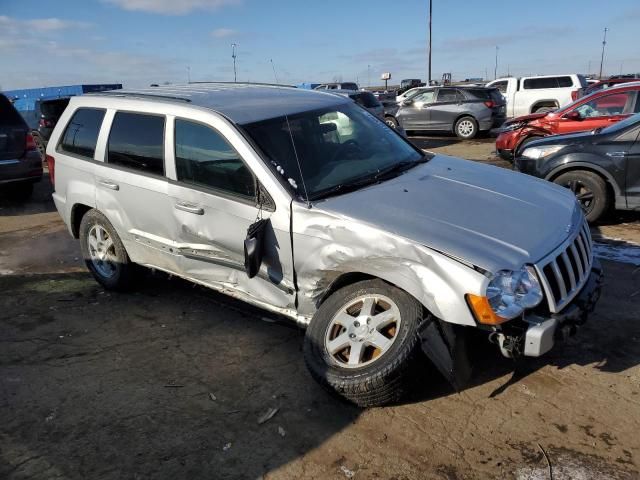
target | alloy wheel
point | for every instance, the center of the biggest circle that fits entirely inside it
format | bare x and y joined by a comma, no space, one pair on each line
465,128
584,195
102,251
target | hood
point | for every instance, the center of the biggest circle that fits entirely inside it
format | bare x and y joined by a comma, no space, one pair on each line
485,215
526,118
567,138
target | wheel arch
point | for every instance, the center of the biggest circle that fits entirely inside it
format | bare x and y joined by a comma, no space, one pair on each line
612,185
78,211
548,102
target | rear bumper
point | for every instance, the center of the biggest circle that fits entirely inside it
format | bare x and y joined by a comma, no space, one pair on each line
26,169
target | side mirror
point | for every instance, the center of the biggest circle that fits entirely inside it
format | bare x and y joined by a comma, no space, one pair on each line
253,247
406,103
573,116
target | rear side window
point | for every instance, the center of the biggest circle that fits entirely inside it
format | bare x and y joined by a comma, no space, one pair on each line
449,95
547,82
9,116
564,82
136,141
81,135
480,93
205,158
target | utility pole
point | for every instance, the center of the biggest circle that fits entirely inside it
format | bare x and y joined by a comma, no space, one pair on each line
233,55
368,75
430,16
495,70
604,42
589,68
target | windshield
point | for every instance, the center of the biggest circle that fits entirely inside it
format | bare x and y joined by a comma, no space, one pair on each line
336,146
619,126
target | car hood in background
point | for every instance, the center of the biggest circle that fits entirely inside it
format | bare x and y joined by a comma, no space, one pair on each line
485,215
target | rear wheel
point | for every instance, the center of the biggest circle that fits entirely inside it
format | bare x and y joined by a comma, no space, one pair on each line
544,109
103,252
362,341
466,127
590,189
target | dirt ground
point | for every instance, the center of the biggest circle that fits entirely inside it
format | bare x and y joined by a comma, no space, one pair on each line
169,381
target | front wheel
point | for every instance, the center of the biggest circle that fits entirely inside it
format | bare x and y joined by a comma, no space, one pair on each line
392,122
103,252
466,127
590,189
362,341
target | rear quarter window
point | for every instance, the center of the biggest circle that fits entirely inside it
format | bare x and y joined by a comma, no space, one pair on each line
136,141
81,133
540,83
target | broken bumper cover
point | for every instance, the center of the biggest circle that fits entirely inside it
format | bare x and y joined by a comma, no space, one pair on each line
542,333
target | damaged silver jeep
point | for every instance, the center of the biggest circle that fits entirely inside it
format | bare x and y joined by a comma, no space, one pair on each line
304,204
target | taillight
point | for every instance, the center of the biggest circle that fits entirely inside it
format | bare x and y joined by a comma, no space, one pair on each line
574,95
30,143
51,163
490,104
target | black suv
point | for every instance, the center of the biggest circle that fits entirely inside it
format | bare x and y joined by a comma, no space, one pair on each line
602,167
20,162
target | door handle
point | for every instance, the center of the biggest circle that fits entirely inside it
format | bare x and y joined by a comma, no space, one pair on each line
616,154
189,208
108,184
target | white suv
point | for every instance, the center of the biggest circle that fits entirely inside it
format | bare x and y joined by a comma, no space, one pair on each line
305,204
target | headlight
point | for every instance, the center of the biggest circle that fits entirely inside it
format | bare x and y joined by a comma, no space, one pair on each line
541,152
512,127
508,295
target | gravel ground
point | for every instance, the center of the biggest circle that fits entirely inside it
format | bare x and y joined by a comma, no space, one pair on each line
169,381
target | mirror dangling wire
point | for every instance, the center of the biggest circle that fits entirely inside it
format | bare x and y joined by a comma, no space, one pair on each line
293,143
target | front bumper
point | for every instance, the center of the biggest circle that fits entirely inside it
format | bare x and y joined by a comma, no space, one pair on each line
535,335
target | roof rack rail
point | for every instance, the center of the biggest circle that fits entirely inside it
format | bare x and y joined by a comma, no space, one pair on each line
243,83
115,93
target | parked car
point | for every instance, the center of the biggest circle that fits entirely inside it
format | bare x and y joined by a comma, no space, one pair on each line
601,167
597,110
409,84
20,163
365,99
538,94
301,203
402,96
604,84
48,113
462,110
338,86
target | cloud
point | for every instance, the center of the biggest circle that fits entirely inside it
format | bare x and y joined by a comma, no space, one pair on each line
223,33
53,24
171,7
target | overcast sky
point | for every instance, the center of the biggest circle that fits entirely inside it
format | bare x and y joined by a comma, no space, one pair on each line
138,42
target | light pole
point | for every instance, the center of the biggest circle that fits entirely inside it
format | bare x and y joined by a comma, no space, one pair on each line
430,17
369,76
233,55
495,70
604,42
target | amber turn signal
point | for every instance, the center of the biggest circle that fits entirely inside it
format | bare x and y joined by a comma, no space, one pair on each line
483,311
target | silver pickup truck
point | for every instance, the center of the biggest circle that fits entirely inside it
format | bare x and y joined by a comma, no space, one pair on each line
305,204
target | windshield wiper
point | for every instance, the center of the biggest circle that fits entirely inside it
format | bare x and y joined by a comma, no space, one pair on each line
381,175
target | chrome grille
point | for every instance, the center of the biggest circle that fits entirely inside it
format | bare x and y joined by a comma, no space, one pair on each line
566,270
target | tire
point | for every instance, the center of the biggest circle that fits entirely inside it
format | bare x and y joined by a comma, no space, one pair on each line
544,109
392,122
590,190
114,273
379,379
466,128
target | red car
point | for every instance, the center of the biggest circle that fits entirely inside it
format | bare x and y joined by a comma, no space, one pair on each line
599,109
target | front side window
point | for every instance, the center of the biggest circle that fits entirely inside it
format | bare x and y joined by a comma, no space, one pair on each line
136,141
502,86
607,105
81,135
204,158
337,147
424,97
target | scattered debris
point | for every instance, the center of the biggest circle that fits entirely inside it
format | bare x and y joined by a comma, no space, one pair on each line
50,417
281,431
548,462
226,447
347,473
212,397
268,415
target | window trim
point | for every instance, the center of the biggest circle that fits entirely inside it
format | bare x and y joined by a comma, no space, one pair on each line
213,190
59,148
105,159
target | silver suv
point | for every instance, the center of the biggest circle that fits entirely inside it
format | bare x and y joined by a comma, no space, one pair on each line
305,204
